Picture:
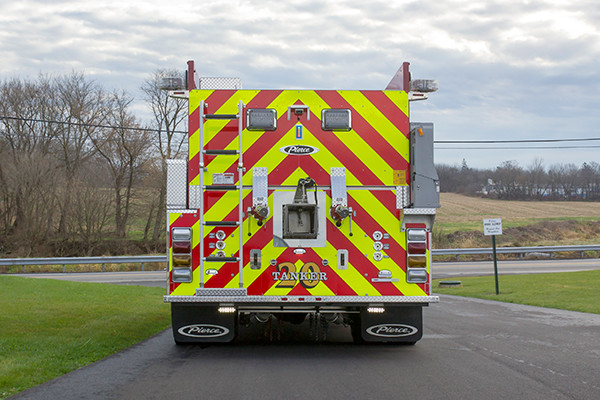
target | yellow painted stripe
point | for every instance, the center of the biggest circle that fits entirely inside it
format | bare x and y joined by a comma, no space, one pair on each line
399,98
351,276
378,121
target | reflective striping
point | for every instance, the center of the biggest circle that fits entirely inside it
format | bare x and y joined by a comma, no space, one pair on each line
370,153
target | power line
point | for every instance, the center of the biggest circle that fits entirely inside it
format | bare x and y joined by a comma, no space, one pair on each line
516,148
84,124
435,141
514,141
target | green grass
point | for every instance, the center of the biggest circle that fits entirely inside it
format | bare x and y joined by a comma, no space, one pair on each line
50,327
574,291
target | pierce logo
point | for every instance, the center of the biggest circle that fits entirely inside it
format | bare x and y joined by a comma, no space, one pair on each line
203,330
392,330
298,150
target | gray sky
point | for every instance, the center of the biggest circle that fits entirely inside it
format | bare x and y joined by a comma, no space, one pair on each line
506,69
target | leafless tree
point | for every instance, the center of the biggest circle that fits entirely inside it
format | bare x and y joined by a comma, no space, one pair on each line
82,106
536,179
169,115
509,180
126,151
92,204
25,143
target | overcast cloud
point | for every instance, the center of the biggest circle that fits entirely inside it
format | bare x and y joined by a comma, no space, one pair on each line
506,69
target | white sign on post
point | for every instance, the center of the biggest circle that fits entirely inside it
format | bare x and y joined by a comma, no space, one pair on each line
492,226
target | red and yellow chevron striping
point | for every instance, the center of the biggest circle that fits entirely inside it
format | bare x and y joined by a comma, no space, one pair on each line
374,154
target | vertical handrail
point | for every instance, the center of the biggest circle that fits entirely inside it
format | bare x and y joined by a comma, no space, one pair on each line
241,197
201,190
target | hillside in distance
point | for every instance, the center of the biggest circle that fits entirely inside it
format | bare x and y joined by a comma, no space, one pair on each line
459,222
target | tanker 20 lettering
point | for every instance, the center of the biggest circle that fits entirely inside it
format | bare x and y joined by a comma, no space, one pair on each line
309,275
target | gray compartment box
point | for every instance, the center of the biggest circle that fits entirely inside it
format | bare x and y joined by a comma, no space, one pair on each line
425,184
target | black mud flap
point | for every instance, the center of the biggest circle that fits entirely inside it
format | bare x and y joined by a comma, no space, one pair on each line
202,324
396,324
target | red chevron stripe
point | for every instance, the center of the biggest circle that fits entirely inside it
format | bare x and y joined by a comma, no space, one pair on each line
389,110
214,101
230,132
263,144
230,271
344,155
359,261
184,221
299,290
363,219
265,281
334,282
369,134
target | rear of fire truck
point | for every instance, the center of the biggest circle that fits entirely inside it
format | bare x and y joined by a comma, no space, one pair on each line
297,204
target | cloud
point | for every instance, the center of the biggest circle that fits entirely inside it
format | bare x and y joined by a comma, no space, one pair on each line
510,69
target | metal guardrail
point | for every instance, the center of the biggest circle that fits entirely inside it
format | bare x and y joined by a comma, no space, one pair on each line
163,258
83,260
518,250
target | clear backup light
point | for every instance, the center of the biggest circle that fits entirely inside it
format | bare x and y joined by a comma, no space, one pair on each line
226,309
182,275
424,85
417,235
417,276
376,310
336,120
261,119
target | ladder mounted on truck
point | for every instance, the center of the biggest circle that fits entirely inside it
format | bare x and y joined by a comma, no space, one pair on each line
202,188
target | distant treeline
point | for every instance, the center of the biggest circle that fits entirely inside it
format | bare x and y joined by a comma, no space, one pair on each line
509,181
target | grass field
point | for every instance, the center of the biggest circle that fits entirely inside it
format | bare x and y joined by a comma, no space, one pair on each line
459,212
459,222
574,291
48,327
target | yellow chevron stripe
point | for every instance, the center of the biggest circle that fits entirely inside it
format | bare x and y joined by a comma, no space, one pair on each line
273,157
212,127
399,98
378,121
194,139
350,276
351,139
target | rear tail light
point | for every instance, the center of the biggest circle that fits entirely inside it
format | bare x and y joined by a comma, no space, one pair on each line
417,247
417,262
181,258
416,256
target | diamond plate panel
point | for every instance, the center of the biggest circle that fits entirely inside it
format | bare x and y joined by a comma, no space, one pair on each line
419,211
195,196
219,292
260,185
402,197
292,299
176,184
213,83
338,187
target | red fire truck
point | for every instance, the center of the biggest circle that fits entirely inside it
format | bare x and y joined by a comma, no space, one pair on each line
296,204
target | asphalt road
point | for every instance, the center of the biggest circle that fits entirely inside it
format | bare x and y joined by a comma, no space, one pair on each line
472,349
440,270
481,268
